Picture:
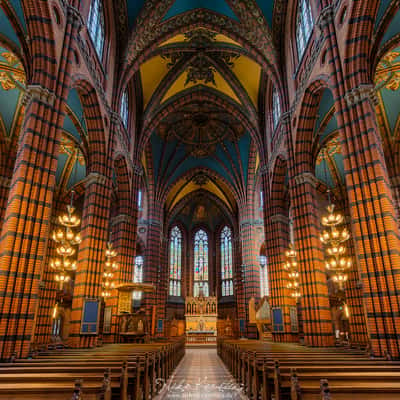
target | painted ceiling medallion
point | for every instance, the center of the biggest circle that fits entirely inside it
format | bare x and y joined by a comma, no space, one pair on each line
200,127
200,179
202,67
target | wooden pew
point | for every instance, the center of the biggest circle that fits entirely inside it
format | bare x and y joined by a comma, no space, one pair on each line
295,372
131,370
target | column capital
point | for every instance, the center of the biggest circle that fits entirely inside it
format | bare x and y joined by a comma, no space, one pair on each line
361,93
306,177
74,17
325,17
115,117
39,93
137,169
285,117
263,170
280,218
95,177
119,219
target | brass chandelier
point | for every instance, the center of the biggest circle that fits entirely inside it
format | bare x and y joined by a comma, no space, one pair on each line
291,266
110,267
334,239
66,239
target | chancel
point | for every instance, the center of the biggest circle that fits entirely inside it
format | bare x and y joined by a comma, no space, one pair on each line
200,199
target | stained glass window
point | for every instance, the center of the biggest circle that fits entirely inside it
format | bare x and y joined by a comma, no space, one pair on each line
276,107
226,262
95,26
175,262
261,199
124,109
200,264
139,199
264,283
305,26
138,276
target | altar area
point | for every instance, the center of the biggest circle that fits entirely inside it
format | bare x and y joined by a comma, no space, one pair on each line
201,315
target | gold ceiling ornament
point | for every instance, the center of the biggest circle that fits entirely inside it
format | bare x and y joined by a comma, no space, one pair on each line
110,267
66,240
291,266
334,239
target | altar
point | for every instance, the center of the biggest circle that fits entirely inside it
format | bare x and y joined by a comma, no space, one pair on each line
201,315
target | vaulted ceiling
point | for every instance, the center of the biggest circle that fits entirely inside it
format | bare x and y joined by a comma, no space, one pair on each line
199,67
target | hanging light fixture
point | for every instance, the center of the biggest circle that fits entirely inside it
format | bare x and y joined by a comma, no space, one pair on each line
334,238
291,266
110,267
66,239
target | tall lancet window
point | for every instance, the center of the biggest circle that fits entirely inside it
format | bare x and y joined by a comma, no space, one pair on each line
200,264
95,26
226,262
124,109
276,107
304,26
175,261
138,275
264,283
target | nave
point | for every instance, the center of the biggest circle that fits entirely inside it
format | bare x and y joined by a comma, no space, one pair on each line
201,374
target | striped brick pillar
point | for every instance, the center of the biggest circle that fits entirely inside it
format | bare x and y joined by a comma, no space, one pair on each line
163,281
250,266
4,191
276,243
26,221
353,293
25,230
152,259
123,233
238,283
316,313
91,257
375,225
395,180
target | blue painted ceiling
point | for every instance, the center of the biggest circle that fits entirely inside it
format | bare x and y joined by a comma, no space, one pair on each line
181,6
71,166
133,8
329,166
267,7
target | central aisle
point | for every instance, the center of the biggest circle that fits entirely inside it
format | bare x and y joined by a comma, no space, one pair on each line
201,375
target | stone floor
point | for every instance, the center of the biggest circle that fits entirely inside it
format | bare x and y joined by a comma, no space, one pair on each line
201,375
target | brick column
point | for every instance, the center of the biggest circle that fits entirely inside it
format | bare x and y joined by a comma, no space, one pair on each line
318,330
123,242
277,242
91,257
25,230
250,266
375,225
152,259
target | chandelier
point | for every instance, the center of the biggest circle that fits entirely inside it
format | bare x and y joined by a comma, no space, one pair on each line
334,239
110,267
291,266
66,240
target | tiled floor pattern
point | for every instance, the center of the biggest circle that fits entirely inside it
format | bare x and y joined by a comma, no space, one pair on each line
201,375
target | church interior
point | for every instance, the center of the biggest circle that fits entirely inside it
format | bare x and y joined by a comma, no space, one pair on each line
200,199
